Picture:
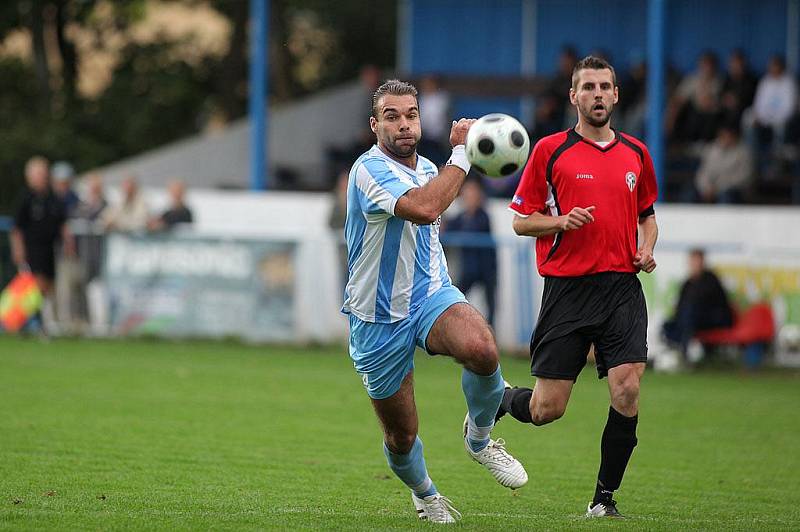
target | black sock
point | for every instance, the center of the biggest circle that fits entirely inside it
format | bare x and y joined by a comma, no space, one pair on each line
616,447
516,401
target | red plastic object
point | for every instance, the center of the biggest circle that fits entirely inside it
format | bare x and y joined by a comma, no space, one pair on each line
756,324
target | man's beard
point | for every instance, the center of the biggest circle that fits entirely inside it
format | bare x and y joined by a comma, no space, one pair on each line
592,121
404,150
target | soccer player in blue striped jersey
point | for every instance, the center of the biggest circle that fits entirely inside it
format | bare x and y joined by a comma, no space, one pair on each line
399,296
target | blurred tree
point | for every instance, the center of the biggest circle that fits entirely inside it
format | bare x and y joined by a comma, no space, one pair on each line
155,92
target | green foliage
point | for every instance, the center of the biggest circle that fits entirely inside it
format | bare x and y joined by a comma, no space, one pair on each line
205,435
154,97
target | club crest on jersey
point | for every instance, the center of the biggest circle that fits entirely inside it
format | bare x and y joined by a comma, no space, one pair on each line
630,179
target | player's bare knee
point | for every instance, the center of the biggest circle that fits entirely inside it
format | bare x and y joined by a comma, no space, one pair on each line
626,392
542,414
482,357
400,442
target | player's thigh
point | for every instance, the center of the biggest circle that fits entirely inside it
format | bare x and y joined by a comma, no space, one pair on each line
398,416
383,354
462,333
561,358
622,339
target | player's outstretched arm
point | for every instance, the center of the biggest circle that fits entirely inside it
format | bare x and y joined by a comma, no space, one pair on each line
425,204
648,234
538,224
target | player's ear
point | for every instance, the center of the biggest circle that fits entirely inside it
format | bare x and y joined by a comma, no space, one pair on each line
373,124
616,94
572,97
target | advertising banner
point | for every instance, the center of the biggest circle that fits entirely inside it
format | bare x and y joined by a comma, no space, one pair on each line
184,286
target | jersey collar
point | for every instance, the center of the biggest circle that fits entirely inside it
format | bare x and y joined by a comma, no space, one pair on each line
608,146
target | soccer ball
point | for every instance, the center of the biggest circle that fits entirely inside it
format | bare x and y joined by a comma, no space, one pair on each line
789,338
497,145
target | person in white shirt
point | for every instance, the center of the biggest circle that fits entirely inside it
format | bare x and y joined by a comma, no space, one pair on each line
776,100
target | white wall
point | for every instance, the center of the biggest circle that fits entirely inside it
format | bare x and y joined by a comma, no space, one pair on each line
762,240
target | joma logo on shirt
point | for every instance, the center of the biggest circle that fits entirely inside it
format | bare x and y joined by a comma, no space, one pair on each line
584,176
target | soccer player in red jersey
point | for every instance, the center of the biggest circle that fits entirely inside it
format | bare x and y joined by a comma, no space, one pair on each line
587,196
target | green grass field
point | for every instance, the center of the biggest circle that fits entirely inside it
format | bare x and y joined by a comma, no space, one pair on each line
158,435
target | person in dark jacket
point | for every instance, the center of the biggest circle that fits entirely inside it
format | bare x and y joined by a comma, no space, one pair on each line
702,305
478,257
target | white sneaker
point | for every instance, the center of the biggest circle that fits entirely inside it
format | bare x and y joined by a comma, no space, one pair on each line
506,469
435,508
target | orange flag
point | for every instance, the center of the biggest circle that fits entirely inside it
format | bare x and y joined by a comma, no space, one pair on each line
19,301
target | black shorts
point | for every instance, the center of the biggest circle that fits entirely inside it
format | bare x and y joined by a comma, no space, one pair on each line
42,260
605,309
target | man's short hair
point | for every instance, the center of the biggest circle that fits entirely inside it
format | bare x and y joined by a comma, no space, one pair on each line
394,87
594,63
698,252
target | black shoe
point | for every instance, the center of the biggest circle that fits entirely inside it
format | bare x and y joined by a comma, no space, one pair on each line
604,509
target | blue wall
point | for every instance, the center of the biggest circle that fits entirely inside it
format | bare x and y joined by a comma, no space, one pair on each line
473,36
484,37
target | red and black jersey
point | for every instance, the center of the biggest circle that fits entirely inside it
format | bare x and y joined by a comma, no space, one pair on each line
566,170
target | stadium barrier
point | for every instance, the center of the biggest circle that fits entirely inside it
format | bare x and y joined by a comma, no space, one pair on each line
754,250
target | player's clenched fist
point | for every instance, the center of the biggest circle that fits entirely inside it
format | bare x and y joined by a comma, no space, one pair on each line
458,132
577,217
644,260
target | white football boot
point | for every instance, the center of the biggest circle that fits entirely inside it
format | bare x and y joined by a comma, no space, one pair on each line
506,469
435,508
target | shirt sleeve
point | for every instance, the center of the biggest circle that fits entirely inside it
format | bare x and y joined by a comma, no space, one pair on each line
532,191
380,187
647,192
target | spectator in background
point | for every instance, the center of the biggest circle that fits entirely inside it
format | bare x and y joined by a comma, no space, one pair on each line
62,174
739,88
39,225
702,305
131,214
696,100
336,222
94,200
478,258
90,242
548,117
633,103
69,272
177,213
434,109
560,84
775,103
726,168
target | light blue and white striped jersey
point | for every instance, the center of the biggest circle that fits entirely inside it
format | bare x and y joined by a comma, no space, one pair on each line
393,264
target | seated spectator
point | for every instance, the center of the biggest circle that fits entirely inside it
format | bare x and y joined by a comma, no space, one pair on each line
548,117
434,109
739,88
775,103
131,214
559,86
695,99
177,213
633,103
479,260
726,168
702,305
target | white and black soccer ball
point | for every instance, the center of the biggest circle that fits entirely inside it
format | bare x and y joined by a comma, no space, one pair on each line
789,338
497,145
